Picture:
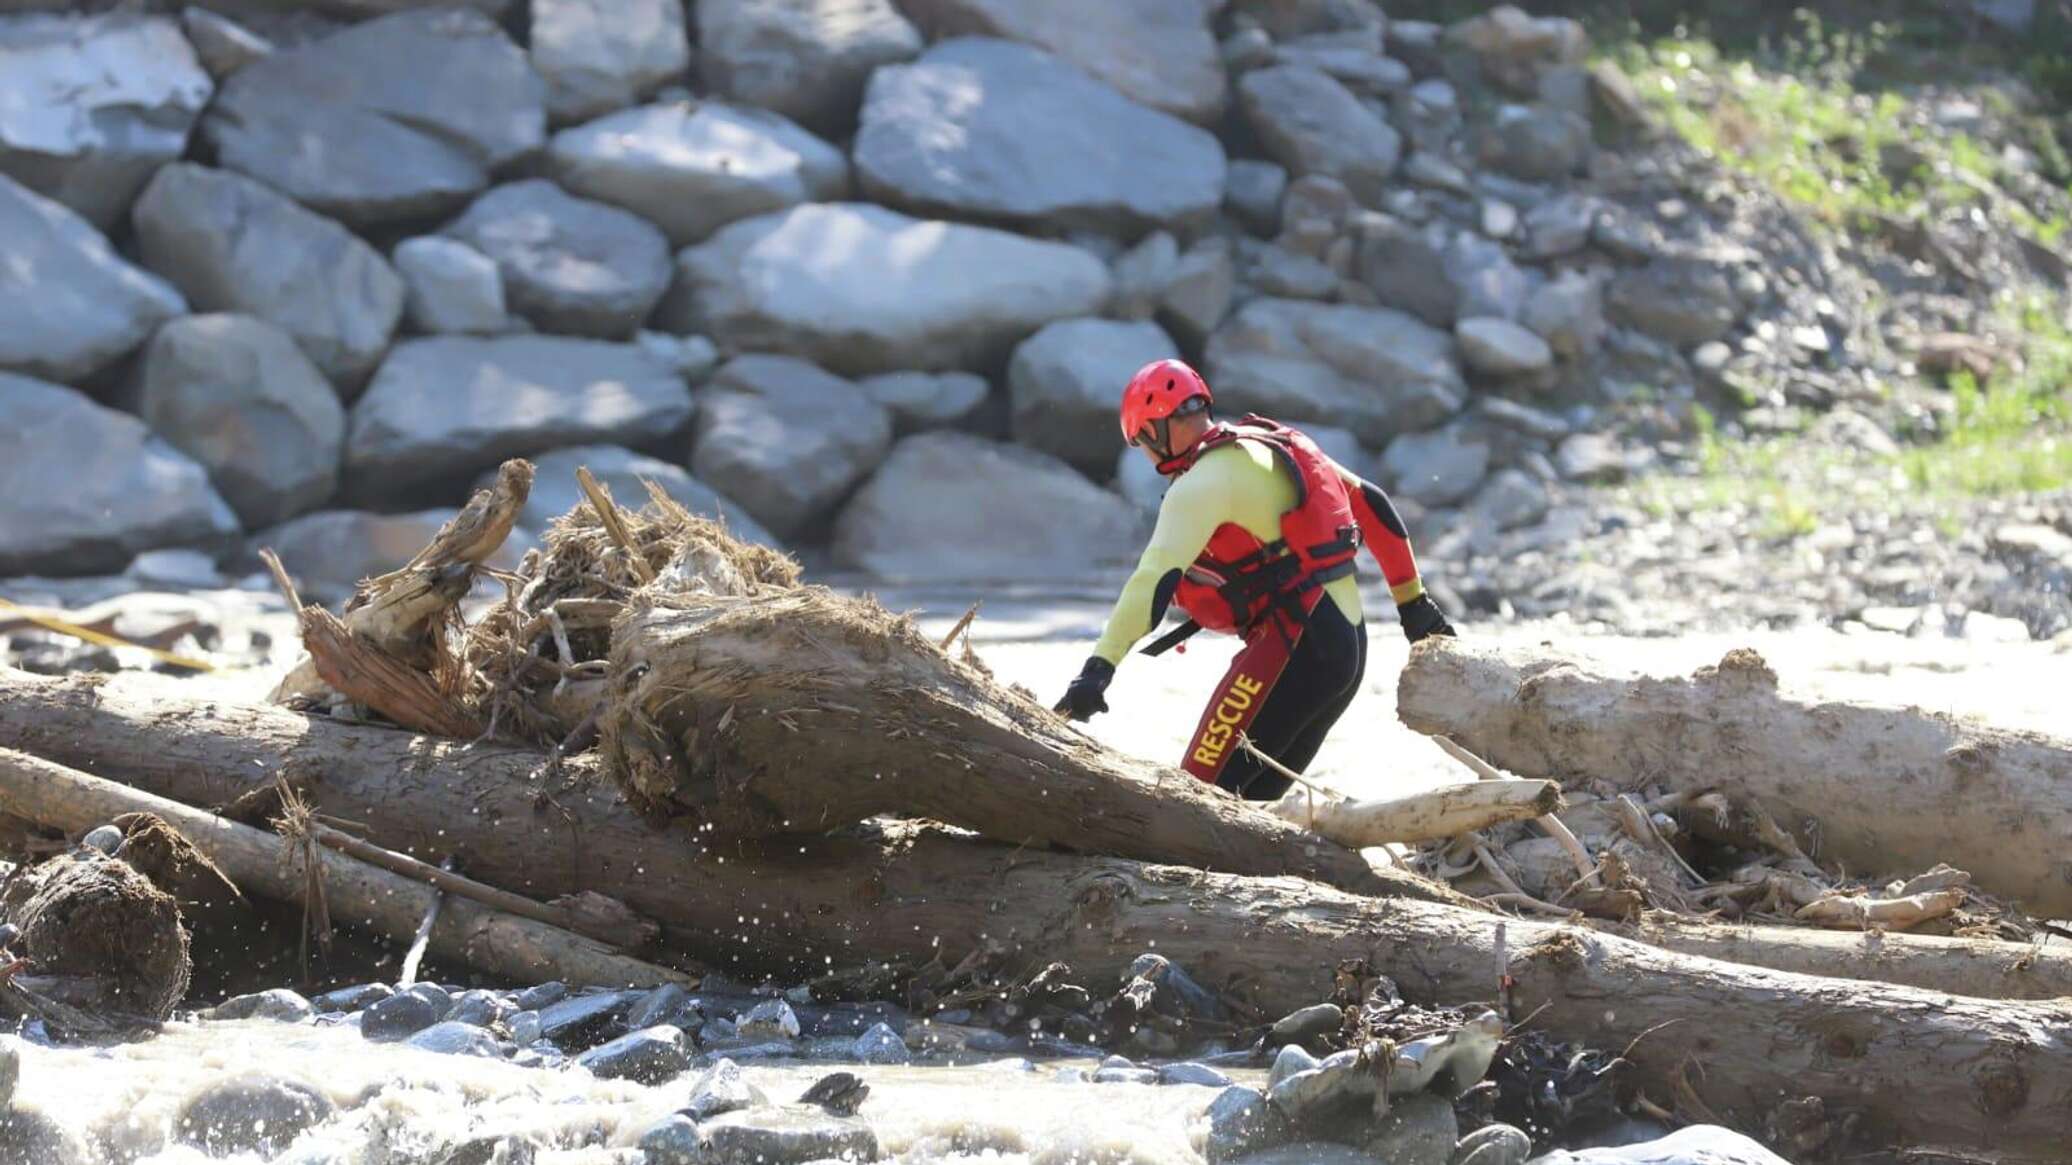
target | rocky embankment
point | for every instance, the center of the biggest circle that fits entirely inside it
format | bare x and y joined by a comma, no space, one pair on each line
864,277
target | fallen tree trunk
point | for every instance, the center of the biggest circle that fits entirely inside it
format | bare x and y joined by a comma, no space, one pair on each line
1984,968
1881,790
1447,811
1920,1068
519,949
801,711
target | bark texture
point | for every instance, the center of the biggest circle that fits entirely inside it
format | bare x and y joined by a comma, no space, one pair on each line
1882,790
360,895
1918,1068
801,711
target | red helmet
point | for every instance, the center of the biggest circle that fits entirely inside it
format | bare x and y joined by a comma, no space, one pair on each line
1160,390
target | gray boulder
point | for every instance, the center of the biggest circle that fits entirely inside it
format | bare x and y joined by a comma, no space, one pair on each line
952,505
279,1004
480,1008
772,1019
400,1016
443,409
601,55
693,167
330,551
568,264
237,395
581,1020
621,470
673,1140
1419,1129
774,1136
1681,301
805,59
786,439
1695,1145
1199,295
1142,275
1375,371
1107,39
222,45
72,306
358,997
1498,347
648,1056
1252,191
231,244
1397,262
1277,271
1313,125
456,1038
1510,499
255,1113
1536,143
1064,381
1241,1122
949,135
91,106
1558,226
399,117
1487,281
861,289
668,1003
1438,468
124,489
1568,312
451,287
927,400
880,1045
722,1089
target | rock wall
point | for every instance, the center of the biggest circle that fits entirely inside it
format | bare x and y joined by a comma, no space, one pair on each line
828,266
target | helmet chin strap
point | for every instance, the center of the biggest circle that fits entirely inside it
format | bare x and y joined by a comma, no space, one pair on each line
1169,461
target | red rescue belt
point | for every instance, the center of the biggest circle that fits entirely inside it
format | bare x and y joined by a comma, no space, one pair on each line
1246,686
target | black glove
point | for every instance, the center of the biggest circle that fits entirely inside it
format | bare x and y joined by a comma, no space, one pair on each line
1422,618
1083,698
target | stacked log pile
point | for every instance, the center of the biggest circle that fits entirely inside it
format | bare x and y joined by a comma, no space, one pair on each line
768,779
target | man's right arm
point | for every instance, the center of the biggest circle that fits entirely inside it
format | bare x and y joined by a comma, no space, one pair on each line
1187,519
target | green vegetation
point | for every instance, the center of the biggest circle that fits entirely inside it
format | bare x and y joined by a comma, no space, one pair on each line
1795,119
2009,435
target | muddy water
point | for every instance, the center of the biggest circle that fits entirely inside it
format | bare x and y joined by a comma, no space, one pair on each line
402,1106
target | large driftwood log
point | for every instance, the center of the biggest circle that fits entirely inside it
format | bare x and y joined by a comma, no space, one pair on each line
357,894
802,711
1920,1068
1881,790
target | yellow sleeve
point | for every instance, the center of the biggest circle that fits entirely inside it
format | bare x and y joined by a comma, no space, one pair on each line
1197,503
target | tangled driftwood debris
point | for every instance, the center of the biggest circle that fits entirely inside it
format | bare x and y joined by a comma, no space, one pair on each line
660,712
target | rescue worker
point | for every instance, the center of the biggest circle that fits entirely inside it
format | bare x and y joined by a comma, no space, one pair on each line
1257,536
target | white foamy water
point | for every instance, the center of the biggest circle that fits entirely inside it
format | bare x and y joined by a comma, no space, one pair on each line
402,1106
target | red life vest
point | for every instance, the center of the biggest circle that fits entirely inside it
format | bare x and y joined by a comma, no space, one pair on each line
1236,581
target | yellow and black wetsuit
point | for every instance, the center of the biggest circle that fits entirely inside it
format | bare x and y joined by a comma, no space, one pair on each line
1243,484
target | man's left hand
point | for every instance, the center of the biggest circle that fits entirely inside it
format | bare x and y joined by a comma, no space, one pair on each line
1422,619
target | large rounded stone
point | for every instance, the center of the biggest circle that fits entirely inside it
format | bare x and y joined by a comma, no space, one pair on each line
950,134
805,59
91,106
693,167
69,305
786,439
1066,380
949,505
232,244
237,395
85,488
569,264
861,289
